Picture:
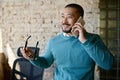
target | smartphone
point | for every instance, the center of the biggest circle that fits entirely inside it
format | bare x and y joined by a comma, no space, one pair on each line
80,20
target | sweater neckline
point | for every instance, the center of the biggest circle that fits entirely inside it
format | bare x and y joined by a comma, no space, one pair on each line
67,37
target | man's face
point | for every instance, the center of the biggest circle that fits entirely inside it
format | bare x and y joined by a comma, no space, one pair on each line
69,17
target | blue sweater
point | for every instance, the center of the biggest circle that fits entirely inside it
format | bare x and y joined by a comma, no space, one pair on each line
74,60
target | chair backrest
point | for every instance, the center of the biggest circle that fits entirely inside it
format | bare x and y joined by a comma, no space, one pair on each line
24,70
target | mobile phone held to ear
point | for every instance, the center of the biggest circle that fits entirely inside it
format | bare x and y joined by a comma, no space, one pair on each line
80,20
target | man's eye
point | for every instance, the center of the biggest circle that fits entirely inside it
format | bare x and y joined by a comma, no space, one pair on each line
62,16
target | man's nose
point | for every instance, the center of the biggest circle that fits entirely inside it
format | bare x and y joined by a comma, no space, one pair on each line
64,20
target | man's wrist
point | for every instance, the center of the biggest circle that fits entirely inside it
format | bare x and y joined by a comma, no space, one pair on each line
83,40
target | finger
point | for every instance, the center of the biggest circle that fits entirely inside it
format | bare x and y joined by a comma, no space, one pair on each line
24,53
79,24
74,27
77,29
22,50
30,53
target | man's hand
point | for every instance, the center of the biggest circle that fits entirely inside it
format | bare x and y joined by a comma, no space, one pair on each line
27,53
79,30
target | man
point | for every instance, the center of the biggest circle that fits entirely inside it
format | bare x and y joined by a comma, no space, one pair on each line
75,56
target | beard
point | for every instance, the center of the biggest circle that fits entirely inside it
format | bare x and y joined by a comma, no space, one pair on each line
64,30
67,31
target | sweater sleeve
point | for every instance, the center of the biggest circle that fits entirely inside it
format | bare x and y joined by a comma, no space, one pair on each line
46,60
98,52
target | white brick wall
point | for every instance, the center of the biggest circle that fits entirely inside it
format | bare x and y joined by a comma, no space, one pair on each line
39,18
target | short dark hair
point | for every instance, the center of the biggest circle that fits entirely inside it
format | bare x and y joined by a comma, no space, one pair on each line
76,6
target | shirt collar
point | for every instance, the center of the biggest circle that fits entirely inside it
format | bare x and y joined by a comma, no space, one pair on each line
68,35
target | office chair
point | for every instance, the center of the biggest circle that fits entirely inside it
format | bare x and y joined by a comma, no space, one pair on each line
24,70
